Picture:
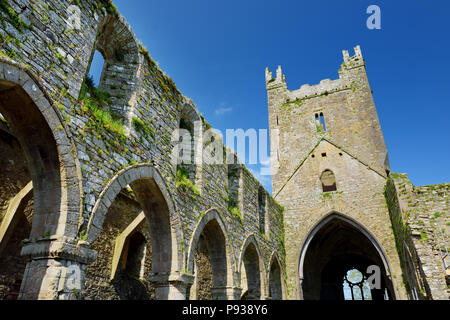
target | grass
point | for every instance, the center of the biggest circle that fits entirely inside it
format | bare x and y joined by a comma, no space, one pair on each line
15,20
142,127
235,211
96,102
183,182
109,7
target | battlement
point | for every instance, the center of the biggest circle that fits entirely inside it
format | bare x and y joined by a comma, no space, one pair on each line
280,79
341,104
353,61
325,86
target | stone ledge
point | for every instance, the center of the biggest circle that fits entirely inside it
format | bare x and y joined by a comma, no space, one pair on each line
58,249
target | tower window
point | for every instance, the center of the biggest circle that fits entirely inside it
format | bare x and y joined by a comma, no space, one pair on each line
356,286
328,181
322,122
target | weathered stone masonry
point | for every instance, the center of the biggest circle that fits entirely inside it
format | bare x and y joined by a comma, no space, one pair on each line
84,168
94,195
333,178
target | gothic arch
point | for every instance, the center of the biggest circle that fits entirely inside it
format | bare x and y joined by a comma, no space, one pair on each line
188,118
121,71
189,112
152,193
358,227
275,276
220,249
50,154
251,258
328,181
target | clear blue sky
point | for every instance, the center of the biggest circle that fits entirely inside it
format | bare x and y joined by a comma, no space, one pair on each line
216,52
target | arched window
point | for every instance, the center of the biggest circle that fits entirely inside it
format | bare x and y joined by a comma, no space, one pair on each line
186,163
320,121
234,179
189,134
355,286
328,181
113,66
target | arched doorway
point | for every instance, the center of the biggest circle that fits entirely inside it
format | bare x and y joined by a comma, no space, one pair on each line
35,148
275,282
251,268
208,260
151,196
339,254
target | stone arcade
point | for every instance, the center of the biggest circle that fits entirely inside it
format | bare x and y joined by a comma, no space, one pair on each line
93,188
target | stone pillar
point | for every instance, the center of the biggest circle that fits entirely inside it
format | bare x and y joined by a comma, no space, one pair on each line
56,270
171,286
226,293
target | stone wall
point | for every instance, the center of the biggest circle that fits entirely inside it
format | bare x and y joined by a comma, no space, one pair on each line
123,286
82,151
420,218
348,110
350,144
96,145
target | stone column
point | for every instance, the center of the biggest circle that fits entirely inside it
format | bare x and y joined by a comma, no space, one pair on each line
56,270
171,286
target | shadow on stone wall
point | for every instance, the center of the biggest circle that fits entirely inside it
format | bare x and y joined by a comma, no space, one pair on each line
129,288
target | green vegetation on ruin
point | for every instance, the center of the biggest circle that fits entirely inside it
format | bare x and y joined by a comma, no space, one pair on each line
165,82
13,17
183,182
235,211
142,127
108,5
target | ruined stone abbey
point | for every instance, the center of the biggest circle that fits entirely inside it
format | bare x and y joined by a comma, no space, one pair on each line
93,207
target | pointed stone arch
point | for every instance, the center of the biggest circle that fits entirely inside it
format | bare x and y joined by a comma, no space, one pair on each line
189,142
41,131
220,251
165,226
275,279
38,126
365,236
189,112
328,181
121,71
252,260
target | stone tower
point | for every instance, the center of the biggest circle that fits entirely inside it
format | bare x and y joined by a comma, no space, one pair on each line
330,173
